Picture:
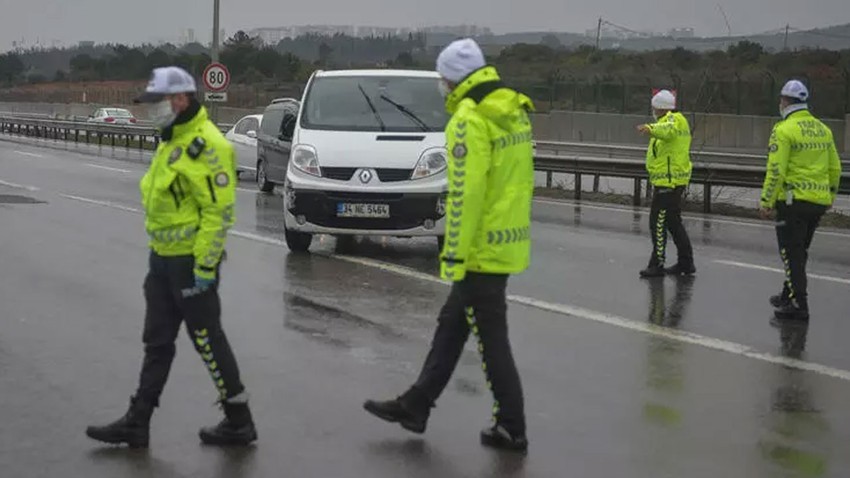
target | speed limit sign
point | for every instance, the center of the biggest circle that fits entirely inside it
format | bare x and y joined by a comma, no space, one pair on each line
216,77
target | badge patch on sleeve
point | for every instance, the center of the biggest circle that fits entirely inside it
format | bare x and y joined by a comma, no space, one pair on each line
459,151
175,155
774,148
222,179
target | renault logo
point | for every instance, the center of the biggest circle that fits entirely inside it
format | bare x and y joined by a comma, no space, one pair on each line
365,176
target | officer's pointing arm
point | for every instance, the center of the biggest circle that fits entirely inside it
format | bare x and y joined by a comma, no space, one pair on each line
664,129
214,188
469,152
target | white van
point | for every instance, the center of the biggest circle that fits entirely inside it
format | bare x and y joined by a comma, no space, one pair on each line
368,157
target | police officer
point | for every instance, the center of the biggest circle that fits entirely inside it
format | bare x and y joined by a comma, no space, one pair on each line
803,175
491,182
188,195
668,163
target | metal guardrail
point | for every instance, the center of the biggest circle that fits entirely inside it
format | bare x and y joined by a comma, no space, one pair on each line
639,152
579,159
44,126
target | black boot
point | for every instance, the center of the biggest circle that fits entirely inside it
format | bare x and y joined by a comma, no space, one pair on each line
780,300
410,410
682,268
792,311
133,428
498,437
652,270
237,428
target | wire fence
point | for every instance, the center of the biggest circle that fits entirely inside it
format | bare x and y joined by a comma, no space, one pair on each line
733,95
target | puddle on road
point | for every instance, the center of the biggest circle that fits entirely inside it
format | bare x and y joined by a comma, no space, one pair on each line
18,199
367,341
328,319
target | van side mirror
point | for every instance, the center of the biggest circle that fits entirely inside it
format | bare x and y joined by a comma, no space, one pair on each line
251,134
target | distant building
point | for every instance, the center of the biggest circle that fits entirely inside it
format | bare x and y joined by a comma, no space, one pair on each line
364,32
327,30
459,30
613,33
186,36
686,32
272,36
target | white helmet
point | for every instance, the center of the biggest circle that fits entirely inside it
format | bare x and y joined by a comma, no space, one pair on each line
664,100
795,89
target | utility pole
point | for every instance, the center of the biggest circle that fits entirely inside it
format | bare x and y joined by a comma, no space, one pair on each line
787,29
214,51
216,30
598,33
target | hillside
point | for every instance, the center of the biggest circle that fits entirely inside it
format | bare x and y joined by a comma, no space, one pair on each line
831,38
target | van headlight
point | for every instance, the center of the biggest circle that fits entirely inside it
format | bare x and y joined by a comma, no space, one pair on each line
305,159
432,162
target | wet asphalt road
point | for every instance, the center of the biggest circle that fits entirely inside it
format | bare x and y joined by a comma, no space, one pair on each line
608,393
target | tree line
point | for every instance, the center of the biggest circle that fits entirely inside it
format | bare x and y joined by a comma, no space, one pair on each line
248,58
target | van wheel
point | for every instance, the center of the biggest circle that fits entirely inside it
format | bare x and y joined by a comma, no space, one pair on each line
263,178
298,241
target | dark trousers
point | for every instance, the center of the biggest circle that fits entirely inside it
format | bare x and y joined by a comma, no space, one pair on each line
167,308
478,304
795,228
666,215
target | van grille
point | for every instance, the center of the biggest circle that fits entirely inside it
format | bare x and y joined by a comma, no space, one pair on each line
386,175
394,175
338,174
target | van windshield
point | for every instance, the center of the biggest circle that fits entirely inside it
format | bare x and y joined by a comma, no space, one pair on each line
374,103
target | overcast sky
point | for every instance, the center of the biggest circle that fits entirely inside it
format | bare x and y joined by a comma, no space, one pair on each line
135,21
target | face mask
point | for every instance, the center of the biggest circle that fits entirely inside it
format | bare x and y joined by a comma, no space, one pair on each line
444,88
161,114
654,115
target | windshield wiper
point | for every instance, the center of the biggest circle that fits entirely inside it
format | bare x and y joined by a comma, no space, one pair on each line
410,114
372,107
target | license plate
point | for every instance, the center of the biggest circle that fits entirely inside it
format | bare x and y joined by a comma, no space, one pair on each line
363,210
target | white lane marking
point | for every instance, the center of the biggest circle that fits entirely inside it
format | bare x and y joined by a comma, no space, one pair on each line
562,309
107,168
685,337
745,265
401,270
101,203
246,190
258,238
684,216
18,186
643,327
31,155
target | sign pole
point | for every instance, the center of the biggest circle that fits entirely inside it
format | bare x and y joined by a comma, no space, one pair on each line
214,52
